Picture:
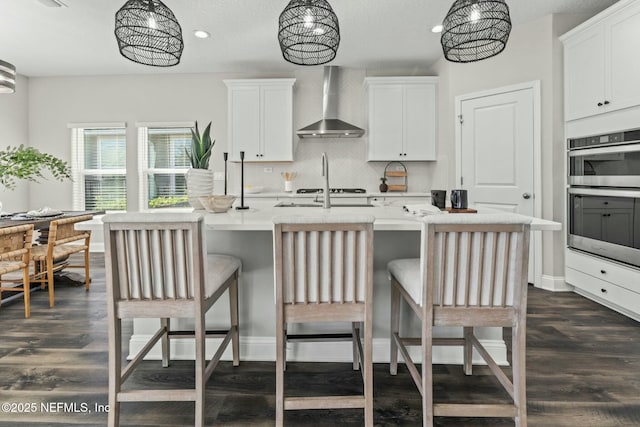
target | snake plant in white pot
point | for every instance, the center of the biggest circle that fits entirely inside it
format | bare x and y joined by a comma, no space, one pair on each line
199,177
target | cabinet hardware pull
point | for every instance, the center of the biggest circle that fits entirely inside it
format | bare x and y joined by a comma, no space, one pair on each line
603,290
606,103
603,271
600,104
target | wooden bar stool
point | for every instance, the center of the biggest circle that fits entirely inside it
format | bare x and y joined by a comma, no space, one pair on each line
472,272
157,266
324,273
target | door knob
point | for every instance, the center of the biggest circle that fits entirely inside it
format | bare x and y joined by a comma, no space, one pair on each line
526,196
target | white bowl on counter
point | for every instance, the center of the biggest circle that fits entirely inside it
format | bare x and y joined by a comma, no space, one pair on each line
217,203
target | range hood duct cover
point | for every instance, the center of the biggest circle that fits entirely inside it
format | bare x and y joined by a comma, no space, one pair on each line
330,126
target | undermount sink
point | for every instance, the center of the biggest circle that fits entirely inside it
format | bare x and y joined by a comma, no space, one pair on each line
319,205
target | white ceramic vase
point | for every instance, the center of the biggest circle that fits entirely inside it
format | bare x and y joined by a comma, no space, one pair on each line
199,183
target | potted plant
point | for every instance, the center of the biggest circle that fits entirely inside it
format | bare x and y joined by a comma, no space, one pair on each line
199,177
383,186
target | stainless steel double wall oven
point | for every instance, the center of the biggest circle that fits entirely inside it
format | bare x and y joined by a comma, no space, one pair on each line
604,195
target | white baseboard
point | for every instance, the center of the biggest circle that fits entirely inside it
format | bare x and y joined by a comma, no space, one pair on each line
263,349
555,284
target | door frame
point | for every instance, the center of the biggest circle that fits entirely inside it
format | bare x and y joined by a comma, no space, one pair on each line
537,156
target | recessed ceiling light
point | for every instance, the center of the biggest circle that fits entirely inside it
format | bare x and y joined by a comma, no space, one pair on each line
201,34
437,29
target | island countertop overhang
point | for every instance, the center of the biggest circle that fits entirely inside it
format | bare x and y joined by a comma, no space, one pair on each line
259,217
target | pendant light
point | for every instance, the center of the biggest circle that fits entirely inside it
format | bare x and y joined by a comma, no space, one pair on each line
7,77
149,33
308,32
474,30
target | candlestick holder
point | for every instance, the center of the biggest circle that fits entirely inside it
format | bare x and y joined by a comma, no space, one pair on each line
225,156
242,206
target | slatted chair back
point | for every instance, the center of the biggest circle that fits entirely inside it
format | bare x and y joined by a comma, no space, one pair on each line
475,261
323,259
155,258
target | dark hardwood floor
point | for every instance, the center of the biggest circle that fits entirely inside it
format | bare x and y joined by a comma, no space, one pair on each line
583,369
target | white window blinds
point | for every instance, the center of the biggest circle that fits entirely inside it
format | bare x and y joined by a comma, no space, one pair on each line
163,164
99,167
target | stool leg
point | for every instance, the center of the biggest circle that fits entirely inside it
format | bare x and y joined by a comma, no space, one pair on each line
468,350
518,340
395,326
115,370
355,334
280,361
166,325
233,309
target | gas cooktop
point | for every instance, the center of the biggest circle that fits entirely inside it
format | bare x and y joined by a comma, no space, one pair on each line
331,190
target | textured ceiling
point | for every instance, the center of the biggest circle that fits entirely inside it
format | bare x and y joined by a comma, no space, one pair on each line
79,40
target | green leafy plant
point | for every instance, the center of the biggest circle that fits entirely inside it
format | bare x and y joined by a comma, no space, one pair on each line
201,146
28,163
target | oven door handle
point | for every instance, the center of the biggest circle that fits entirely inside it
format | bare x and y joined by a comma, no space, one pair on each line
626,148
604,192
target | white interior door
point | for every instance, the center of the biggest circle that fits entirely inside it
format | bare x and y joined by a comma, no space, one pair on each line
498,131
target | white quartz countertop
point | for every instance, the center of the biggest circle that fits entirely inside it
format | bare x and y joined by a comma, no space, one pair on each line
261,212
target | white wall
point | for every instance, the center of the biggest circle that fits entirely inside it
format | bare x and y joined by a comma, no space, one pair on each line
56,101
14,130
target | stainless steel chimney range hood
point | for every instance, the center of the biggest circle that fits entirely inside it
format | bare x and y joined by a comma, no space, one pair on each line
330,126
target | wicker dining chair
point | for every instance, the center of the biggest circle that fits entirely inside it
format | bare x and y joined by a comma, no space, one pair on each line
324,273
472,273
63,240
15,247
157,266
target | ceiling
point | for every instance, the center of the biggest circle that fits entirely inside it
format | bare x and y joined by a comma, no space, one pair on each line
79,40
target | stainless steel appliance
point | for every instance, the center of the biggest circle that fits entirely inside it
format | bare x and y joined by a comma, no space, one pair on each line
605,222
609,160
604,195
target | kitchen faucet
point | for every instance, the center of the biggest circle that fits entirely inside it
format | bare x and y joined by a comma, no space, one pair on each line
326,203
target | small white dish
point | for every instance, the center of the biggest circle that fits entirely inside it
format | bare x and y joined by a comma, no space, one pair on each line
252,189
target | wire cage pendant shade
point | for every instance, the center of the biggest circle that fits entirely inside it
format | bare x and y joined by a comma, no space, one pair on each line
474,30
308,32
7,77
149,33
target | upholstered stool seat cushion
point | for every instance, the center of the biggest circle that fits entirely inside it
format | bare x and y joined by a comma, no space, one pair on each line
219,269
407,272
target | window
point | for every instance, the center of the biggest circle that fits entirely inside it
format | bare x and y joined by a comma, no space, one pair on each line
163,165
99,167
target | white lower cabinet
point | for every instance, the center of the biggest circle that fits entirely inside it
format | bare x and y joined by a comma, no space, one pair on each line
614,285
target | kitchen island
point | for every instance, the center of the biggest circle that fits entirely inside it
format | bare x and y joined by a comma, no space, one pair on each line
247,235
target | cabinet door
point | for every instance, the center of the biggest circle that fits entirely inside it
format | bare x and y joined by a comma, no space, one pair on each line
584,74
385,122
277,124
244,122
420,122
622,55
616,226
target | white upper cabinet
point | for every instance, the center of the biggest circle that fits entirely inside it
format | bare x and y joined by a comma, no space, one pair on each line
260,121
602,63
402,118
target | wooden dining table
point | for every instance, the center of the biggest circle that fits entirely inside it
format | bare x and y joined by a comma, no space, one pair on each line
42,223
